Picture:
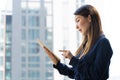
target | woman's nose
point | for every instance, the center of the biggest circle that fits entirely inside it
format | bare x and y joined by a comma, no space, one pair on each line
76,26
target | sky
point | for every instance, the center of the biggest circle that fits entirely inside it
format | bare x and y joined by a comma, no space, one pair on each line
5,4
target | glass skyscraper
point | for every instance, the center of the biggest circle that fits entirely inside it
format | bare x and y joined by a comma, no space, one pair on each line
5,44
32,20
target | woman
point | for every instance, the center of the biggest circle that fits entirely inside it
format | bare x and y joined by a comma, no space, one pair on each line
92,59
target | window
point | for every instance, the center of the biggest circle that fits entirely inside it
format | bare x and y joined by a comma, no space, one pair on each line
33,34
1,47
2,19
23,34
23,48
8,65
33,21
8,37
23,74
33,65
23,59
49,34
1,61
49,21
8,75
33,48
8,50
33,74
1,75
8,22
48,6
1,33
33,5
24,4
34,59
23,21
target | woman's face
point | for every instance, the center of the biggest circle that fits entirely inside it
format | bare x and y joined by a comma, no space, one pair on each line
82,23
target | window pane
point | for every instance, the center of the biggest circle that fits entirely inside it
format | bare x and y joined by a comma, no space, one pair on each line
34,74
23,21
1,47
23,34
33,5
23,48
33,34
34,59
48,6
33,21
49,21
33,48
8,66
1,61
1,33
24,4
1,75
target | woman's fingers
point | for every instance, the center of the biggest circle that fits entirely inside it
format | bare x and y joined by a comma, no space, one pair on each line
63,50
66,53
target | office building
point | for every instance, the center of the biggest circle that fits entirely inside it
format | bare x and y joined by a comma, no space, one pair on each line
5,44
32,20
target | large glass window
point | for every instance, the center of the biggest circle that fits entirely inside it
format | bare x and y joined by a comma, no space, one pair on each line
33,34
33,21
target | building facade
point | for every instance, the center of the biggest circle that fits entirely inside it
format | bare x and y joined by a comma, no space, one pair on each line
5,44
32,20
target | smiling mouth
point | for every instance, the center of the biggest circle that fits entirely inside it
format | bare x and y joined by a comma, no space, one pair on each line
80,30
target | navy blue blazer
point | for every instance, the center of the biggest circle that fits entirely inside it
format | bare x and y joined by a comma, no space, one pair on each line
93,66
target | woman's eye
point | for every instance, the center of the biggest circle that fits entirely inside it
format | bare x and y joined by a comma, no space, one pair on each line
77,20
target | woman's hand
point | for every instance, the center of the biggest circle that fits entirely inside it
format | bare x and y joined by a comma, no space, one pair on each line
66,54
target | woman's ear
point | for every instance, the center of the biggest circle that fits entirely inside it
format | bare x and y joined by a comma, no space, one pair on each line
89,18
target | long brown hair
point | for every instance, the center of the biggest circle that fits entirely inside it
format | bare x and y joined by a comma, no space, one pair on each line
94,31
